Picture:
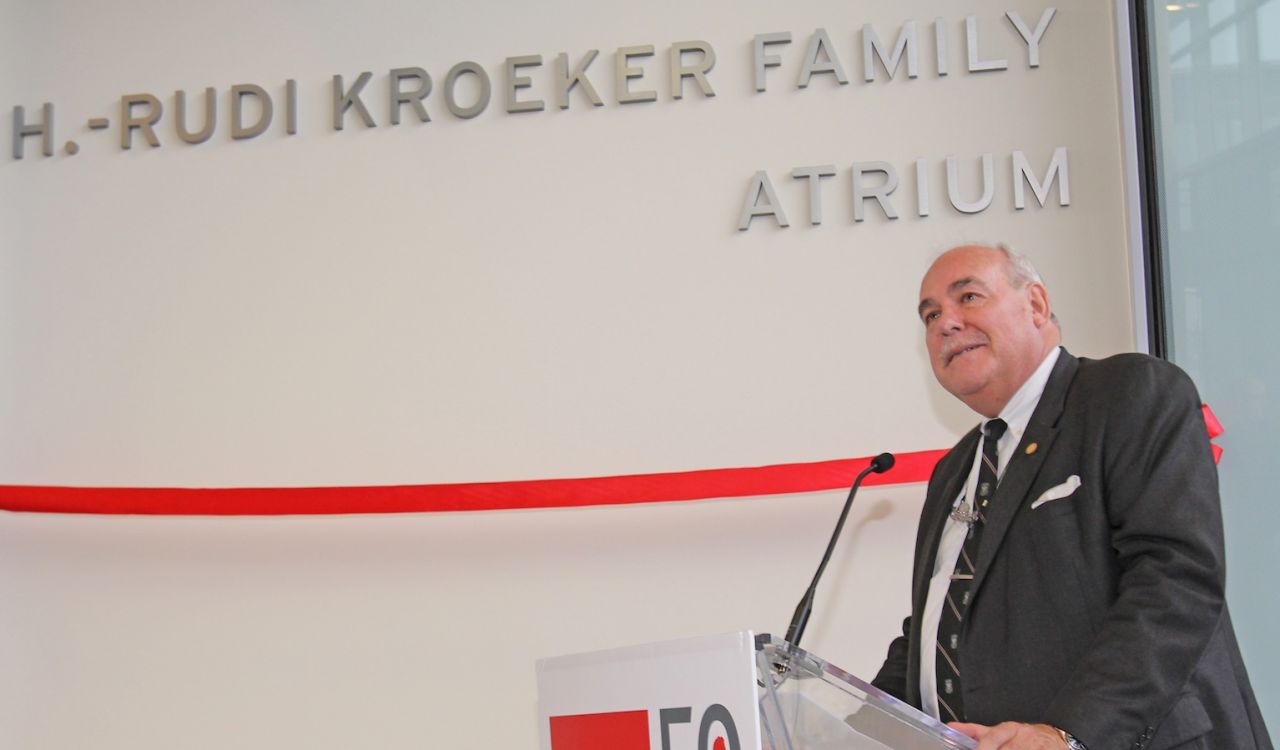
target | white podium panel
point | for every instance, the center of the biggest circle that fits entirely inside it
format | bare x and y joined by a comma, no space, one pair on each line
694,693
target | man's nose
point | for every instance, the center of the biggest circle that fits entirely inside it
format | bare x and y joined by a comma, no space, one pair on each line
949,320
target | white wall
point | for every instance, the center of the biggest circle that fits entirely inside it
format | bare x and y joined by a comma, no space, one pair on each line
551,294
401,631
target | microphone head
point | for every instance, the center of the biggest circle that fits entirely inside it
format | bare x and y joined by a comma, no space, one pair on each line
882,463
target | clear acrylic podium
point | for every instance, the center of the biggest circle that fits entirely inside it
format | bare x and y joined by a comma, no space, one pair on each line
732,691
809,704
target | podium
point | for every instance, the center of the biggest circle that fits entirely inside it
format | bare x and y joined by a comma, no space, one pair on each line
735,691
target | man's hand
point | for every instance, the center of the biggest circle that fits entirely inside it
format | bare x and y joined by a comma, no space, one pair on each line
1012,736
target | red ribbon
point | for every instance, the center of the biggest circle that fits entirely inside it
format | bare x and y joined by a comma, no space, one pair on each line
781,479
425,498
1214,428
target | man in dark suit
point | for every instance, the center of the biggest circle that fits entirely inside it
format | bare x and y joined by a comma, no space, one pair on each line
1068,584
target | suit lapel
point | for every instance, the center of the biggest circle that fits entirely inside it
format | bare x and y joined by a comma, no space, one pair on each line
1011,494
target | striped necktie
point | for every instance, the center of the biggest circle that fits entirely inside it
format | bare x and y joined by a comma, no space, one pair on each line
950,697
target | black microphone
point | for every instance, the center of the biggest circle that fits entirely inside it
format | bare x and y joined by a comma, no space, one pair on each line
879,465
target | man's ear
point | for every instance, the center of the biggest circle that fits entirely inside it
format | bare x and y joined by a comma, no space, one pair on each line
1038,297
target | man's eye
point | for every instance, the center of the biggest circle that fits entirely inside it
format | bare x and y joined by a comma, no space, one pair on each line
968,296
930,316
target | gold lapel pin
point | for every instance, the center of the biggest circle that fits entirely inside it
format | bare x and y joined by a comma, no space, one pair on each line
1032,448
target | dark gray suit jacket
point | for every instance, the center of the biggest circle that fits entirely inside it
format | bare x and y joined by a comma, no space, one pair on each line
1102,612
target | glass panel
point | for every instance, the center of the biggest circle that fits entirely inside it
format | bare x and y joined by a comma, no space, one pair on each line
1269,31
1222,48
1216,71
1219,10
808,704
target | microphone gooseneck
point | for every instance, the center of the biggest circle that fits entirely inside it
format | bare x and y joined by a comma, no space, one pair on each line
800,618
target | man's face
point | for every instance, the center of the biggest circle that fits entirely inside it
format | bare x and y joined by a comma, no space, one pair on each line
985,337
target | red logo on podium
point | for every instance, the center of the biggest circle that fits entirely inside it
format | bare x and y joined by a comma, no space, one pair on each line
617,730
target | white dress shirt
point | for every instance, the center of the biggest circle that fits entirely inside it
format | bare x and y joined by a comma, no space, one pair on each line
1016,414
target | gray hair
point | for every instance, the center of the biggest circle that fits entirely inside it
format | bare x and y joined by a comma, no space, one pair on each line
1019,267
1020,270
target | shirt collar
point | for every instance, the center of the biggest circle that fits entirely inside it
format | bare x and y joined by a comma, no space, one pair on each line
1017,413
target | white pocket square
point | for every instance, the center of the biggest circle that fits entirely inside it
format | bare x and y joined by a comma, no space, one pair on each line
1058,492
